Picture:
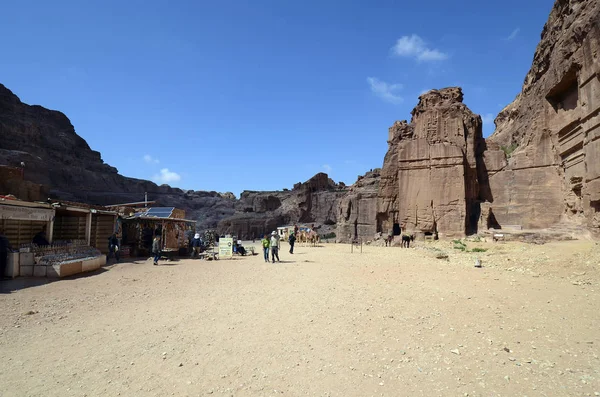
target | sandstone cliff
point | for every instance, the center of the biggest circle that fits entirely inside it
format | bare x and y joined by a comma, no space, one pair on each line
60,164
312,202
358,208
433,178
550,132
60,160
540,169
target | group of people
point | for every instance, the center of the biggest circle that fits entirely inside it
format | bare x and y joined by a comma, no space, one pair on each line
273,245
113,248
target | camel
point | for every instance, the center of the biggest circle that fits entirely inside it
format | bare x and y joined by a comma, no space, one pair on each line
302,237
305,238
313,238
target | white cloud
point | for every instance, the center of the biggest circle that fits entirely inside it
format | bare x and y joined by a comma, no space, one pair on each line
166,176
327,168
488,119
150,160
514,34
415,47
387,92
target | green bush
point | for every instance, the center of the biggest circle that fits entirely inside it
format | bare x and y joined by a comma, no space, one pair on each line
479,250
508,150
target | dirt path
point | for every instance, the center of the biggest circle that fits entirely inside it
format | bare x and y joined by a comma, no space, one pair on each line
387,322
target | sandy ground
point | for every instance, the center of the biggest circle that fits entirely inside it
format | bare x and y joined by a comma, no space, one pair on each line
323,322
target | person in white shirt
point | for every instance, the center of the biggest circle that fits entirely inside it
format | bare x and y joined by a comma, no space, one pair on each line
275,246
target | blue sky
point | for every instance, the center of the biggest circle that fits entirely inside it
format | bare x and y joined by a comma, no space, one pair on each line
258,95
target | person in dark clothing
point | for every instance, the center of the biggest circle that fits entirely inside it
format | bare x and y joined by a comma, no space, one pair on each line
40,239
292,240
156,250
5,248
196,245
113,247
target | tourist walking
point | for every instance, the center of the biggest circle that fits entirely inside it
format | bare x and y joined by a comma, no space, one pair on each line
292,240
275,247
266,244
156,250
196,245
113,247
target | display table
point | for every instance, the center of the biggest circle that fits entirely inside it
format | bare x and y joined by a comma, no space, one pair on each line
60,259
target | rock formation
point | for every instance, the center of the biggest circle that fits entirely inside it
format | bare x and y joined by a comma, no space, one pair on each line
541,167
312,202
432,172
550,132
59,163
358,208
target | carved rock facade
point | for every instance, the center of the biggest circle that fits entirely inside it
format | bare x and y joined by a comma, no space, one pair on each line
552,129
433,177
539,170
358,208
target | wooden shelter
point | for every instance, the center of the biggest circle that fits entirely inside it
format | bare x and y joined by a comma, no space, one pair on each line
22,220
169,223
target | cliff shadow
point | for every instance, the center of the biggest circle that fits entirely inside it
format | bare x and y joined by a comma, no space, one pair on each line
483,177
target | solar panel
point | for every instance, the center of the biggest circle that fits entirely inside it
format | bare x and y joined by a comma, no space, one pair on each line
160,212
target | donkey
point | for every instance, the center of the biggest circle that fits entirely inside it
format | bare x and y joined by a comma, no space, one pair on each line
406,239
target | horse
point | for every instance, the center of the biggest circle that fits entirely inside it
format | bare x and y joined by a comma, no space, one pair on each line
406,239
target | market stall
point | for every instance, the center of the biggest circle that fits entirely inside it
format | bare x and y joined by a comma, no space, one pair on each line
140,228
54,240
22,220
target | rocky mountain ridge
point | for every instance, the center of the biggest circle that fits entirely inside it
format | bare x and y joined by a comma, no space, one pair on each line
60,164
60,160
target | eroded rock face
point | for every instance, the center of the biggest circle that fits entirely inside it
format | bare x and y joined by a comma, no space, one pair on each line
432,172
551,130
59,163
358,208
312,202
